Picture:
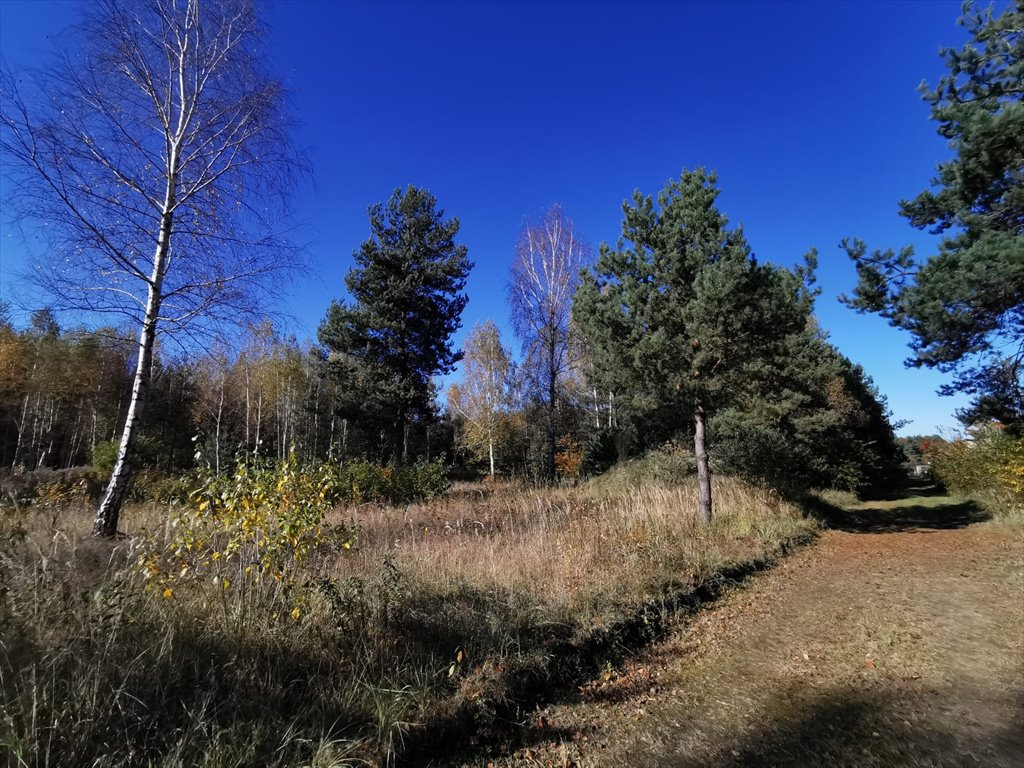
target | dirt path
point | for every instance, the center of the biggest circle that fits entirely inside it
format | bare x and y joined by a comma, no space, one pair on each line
896,640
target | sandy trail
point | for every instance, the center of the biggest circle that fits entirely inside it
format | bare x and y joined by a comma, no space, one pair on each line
897,639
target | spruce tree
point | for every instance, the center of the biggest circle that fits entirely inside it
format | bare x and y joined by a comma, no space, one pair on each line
407,296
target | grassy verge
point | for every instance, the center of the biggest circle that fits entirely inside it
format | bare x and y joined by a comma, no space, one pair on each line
445,616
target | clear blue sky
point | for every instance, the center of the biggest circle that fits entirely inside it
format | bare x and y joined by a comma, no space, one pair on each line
807,110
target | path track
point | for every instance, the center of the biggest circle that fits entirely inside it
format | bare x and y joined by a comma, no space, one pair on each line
895,640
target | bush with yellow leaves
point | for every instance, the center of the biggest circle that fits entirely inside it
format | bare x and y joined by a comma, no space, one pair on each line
990,467
250,531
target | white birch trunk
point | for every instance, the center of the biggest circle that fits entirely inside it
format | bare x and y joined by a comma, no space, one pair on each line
105,524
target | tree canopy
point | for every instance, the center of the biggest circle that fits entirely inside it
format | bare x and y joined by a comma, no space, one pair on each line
964,305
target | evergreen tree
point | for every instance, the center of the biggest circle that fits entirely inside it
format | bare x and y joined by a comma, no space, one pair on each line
813,419
407,299
965,305
679,322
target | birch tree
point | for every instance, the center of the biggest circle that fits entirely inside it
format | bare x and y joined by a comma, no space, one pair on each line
545,275
483,397
154,154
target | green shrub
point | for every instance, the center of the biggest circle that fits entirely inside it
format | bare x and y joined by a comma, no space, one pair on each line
146,455
149,485
363,481
991,467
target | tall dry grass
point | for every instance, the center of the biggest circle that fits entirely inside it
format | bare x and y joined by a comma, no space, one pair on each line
95,670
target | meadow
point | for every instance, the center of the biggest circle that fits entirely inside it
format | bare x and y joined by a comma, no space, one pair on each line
356,632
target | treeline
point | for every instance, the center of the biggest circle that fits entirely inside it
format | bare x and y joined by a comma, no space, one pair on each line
64,393
677,339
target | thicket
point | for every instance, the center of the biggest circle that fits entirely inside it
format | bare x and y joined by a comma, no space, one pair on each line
989,467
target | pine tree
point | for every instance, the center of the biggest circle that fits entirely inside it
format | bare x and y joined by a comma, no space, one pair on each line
678,322
813,419
406,302
964,306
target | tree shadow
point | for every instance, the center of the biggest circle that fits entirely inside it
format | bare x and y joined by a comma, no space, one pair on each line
847,727
889,516
840,727
911,517
910,489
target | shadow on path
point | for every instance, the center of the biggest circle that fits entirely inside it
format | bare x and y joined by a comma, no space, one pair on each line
912,517
845,727
898,513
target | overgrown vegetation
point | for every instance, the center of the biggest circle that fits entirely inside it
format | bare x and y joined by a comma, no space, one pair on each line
289,598
356,629
989,468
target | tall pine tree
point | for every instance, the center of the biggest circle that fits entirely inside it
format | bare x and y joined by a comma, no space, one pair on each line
407,296
678,321
964,306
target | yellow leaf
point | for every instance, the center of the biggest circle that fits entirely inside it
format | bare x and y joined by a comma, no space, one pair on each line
227,583
296,613
215,556
168,593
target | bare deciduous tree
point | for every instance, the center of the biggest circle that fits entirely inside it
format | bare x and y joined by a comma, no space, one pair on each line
545,274
156,157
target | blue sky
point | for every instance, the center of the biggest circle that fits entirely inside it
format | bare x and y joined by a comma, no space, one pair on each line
807,110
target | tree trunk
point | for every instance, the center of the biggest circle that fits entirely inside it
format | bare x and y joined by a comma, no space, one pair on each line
398,439
552,375
105,524
490,453
703,472
216,434
247,406
21,432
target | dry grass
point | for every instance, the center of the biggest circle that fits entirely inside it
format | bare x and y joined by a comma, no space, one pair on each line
569,548
93,669
897,640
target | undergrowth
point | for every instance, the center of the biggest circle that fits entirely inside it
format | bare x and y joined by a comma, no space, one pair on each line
357,627
989,468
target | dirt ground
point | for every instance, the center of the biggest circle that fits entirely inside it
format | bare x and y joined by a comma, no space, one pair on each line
897,639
